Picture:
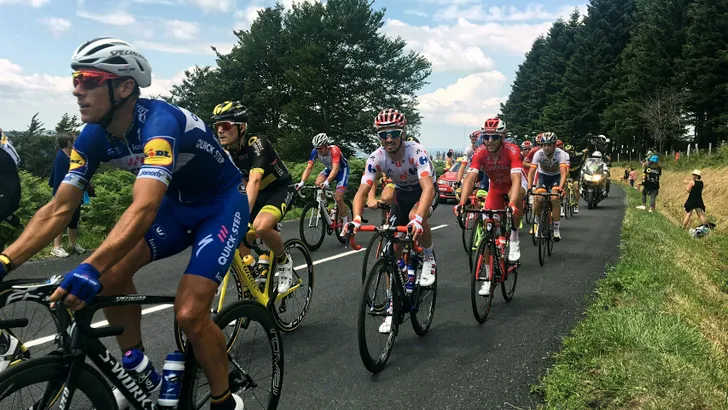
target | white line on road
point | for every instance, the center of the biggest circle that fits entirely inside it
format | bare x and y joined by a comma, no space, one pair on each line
157,308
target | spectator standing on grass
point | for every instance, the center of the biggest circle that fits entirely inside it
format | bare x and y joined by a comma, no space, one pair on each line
9,182
60,168
632,177
694,202
651,182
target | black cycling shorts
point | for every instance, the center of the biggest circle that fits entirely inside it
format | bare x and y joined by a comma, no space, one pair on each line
575,174
276,200
403,203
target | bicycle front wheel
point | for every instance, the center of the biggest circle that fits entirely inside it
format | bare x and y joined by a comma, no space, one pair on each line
543,237
476,236
255,370
481,304
312,226
290,308
38,383
424,310
378,294
376,247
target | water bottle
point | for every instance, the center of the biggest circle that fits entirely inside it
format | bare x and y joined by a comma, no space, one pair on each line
138,365
411,276
333,214
263,266
249,261
174,367
402,266
501,242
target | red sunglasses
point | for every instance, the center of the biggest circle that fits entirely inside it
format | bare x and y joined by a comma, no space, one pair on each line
91,79
225,125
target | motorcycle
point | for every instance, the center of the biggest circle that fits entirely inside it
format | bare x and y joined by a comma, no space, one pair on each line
594,182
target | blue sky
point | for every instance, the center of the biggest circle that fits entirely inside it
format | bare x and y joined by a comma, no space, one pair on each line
475,48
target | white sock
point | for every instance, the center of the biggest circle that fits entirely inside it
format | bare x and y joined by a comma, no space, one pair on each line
514,236
487,272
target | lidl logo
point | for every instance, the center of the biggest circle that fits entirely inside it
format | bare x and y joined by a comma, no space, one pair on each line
157,151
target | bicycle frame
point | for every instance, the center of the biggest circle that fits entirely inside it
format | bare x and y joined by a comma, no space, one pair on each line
492,225
321,206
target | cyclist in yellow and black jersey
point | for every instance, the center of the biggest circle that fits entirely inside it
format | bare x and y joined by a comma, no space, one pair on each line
576,160
269,185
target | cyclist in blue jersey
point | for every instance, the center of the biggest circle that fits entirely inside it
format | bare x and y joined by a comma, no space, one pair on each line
186,193
336,169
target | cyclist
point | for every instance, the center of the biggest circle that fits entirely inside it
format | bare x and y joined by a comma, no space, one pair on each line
501,162
576,160
526,147
337,168
269,185
409,166
173,207
552,164
476,143
9,182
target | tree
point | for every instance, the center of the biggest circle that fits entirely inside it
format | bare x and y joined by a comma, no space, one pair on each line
523,108
663,115
36,149
199,91
68,124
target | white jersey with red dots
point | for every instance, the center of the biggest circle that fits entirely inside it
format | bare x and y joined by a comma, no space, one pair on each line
405,174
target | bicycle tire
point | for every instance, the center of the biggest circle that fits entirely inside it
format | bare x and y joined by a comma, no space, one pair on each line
475,284
469,222
422,326
542,235
512,279
550,240
375,365
477,230
243,310
180,339
565,205
53,369
528,211
303,223
273,290
376,243
339,225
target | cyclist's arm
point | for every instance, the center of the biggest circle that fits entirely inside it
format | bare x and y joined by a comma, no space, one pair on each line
253,187
514,194
334,172
564,170
335,163
360,199
47,223
470,179
428,194
306,172
368,181
461,171
531,174
147,196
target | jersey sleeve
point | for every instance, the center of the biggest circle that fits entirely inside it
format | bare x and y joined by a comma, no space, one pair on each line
261,151
371,170
85,157
514,156
335,155
565,160
313,156
424,170
476,163
160,141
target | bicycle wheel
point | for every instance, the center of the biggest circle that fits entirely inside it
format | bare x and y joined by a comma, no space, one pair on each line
528,211
424,311
50,373
376,247
469,222
234,291
477,234
543,229
550,239
379,287
565,205
38,337
290,308
256,365
312,226
481,304
340,223
508,286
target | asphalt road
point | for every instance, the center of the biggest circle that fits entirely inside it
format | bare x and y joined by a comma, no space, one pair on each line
459,364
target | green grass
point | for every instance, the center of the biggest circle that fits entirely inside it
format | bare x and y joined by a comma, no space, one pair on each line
656,337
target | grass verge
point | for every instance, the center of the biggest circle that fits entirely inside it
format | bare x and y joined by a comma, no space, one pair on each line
656,336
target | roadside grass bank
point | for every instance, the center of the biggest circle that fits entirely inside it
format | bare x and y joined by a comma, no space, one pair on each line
656,337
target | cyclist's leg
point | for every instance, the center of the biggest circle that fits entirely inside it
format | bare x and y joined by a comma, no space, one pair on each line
342,180
553,186
321,177
495,200
219,226
274,206
387,195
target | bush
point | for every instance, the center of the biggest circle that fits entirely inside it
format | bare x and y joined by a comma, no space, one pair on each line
113,196
35,193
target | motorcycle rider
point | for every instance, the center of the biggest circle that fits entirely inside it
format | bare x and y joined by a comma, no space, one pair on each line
596,160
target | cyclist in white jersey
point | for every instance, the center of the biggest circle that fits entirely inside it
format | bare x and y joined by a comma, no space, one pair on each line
476,142
552,165
408,165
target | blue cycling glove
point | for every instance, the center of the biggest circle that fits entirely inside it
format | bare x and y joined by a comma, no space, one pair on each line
82,282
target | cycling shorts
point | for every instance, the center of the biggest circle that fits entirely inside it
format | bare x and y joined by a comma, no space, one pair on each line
498,199
404,201
276,200
213,228
342,177
575,174
548,181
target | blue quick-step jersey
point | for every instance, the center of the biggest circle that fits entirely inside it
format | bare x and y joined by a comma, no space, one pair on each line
166,143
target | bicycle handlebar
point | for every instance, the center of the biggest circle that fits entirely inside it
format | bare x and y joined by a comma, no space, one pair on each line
383,228
327,191
13,323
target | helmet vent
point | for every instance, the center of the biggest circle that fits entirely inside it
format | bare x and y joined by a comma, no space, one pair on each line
98,48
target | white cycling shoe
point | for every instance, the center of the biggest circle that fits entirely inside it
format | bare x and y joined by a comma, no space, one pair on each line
485,288
514,251
239,405
429,266
285,275
386,326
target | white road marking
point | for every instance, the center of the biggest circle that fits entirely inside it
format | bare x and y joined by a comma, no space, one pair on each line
158,308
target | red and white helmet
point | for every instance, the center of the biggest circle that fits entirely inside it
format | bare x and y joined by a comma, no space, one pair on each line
559,144
526,145
390,118
475,134
494,126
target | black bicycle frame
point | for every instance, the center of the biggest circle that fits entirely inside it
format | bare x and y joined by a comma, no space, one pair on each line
80,340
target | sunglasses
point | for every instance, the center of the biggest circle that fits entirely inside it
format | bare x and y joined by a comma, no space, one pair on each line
489,137
321,148
391,133
91,79
225,125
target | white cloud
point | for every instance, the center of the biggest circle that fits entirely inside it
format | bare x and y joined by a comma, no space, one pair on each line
57,25
468,101
31,3
416,13
186,48
215,6
181,30
245,18
163,86
288,4
117,18
479,12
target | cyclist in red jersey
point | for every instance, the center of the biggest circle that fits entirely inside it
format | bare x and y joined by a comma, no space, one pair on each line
502,164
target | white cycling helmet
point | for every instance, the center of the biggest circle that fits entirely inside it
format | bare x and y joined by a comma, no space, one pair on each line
320,140
113,56
596,154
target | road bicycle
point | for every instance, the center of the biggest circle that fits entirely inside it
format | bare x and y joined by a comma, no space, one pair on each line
387,287
66,373
468,223
545,237
317,219
377,243
495,244
571,202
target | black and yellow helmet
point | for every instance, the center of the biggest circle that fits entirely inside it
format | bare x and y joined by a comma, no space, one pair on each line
413,139
232,111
